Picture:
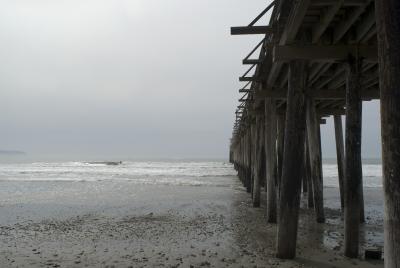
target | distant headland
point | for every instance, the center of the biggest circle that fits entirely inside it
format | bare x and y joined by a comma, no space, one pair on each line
11,152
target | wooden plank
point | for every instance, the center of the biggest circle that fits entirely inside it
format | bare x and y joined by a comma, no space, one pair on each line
388,21
244,30
318,53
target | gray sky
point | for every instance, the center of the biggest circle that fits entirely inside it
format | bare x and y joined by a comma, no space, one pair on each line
139,78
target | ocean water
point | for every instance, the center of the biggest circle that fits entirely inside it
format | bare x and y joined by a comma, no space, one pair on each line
196,173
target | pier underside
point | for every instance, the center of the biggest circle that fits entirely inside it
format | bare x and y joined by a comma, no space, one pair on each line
316,59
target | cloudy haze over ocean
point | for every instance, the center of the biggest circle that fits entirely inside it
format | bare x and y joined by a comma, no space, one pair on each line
142,78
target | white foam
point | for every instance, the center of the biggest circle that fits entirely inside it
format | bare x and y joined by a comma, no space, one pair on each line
171,173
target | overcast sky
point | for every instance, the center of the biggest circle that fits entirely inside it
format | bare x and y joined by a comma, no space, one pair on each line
139,78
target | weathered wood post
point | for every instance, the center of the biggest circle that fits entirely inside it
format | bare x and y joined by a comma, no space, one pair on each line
258,164
307,173
304,182
340,155
279,147
290,190
388,29
254,156
353,165
315,159
270,142
243,159
263,168
248,156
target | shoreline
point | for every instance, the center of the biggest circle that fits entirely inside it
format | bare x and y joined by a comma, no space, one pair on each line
120,224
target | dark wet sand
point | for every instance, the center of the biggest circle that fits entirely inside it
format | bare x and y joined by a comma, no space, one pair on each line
120,224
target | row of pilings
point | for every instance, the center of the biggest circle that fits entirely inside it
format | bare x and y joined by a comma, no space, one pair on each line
260,154
281,150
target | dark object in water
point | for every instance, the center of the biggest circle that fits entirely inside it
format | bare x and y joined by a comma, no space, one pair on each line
108,163
373,253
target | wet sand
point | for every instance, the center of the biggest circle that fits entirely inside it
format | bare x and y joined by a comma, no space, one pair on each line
121,224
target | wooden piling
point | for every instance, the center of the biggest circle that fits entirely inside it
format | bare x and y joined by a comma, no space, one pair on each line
315,159
388,21
248,161
270,142
258,139
304,181
353,164
290,190
340,155
279,148
307,173
253,148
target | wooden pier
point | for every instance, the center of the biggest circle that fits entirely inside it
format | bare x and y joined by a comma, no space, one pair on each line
315,59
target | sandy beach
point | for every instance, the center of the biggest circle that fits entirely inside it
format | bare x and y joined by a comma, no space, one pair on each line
122,224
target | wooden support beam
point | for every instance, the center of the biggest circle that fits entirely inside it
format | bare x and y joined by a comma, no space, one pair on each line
262,13
247,60
353,166
315,69
242,30
315,159
332,2
320,112
341,29
339,72
322,94
274,72
252,61
294,21
365,25
335,53
270,146
388,21
320,27
371,33
340,155
290,191
250,79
